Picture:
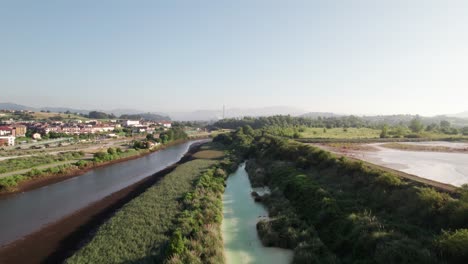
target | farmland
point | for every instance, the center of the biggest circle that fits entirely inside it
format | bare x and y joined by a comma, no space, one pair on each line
313,132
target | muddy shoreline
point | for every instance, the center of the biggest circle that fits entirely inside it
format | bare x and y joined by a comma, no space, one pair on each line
59,240
47,180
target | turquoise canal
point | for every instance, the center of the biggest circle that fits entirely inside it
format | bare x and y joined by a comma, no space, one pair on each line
241,214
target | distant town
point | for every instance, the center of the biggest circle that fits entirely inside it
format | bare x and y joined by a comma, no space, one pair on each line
21,127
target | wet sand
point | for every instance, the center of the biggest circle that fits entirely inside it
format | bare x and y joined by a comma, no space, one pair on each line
445,167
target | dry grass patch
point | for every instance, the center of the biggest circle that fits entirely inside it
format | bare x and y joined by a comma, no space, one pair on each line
209,154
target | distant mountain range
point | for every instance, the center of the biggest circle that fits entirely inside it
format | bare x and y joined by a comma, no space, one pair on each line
319,114
117,112
213,115
460,115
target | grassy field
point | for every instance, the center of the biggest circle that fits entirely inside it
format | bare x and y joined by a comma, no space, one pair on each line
312,132
10,165
209,154
45,115
140,231
370,133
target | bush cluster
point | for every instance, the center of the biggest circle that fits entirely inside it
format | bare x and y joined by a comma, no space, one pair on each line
197,238
359,213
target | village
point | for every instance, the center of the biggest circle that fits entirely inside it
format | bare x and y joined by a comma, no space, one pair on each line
22,134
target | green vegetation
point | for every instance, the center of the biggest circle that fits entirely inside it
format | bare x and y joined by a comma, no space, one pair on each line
100,115
341,133
140,231
197,238
140,147
113,154
145,116
209,154
170,135
33,161
349,127
175,221
10,182
333,210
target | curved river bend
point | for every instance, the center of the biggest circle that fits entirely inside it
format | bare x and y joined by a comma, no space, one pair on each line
27,212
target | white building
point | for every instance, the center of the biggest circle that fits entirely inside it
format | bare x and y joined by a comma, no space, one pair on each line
166,124
130,123
7,140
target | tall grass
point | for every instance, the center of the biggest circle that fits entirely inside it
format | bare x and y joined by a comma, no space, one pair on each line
140,231
29,162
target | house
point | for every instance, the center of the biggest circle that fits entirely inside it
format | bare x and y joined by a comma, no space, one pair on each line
36,136
20,130
7,140
131,123
7,131
98,129
165,124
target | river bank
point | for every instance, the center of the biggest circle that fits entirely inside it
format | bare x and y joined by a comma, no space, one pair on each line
69,233
38,182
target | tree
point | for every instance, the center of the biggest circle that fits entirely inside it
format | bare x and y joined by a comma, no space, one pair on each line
444,124
455,245
384,132
150,137
111,151
432,127
464,131
98,115
416,125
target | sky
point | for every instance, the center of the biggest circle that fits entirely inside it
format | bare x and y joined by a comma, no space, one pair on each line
356,57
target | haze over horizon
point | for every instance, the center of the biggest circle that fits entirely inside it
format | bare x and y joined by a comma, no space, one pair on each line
358,57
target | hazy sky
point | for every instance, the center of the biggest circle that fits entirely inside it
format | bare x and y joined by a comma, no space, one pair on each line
362,57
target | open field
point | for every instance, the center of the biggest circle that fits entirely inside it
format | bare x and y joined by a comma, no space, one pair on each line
362,135
45,115
208,154
312,132
16,164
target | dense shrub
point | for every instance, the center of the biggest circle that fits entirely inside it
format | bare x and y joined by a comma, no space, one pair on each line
454,245
197,238
360,214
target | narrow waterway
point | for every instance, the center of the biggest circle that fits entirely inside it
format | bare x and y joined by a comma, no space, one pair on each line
241,214
27,212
